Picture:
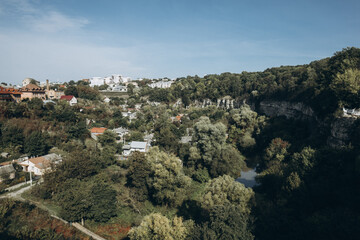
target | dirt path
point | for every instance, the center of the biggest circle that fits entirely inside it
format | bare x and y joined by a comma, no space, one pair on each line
17,196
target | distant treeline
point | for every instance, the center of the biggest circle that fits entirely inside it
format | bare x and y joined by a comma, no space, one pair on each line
324,85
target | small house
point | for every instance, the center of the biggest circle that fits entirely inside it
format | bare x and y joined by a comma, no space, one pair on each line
107,100
97,131
70,98
121,132
39,165
135,146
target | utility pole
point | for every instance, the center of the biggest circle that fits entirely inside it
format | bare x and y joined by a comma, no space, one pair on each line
30,179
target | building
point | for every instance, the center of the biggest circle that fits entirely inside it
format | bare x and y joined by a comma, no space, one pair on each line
70,98
10,94
97,131
161,84
113,79
135,146
27,81
52,94
31,91
106,100
118,88
351,112
121,132
39,165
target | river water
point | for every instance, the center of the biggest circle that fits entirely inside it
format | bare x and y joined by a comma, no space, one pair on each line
248,178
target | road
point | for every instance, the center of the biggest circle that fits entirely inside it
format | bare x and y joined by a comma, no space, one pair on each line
17,196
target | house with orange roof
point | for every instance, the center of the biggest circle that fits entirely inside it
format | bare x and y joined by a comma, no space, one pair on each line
38,165
97,131
10,94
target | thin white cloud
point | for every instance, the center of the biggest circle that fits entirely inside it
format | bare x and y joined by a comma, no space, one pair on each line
39,18
28,55
54,22
18,6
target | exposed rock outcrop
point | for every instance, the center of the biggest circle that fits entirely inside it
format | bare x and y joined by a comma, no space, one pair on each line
341,130
290,110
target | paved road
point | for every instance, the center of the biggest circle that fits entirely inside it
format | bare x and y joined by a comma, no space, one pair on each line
17,194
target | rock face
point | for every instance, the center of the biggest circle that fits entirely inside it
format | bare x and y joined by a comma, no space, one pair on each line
288,109
340,132
340,128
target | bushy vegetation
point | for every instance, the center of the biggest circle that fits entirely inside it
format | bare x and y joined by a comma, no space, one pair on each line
185,188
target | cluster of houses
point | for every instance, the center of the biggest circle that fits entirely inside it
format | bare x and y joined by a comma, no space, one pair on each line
31,90
141,146
115,83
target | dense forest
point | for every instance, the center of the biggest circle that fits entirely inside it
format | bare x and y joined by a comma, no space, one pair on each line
179,189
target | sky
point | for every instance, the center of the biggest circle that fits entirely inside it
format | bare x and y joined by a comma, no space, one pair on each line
63,40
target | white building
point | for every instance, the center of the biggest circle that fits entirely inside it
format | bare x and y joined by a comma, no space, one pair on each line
39,165
107,100
130,115
121,132
135,146
71,99
27,81
113,79
161,84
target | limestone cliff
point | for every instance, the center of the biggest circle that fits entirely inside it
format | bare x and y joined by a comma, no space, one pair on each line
340,128
290,110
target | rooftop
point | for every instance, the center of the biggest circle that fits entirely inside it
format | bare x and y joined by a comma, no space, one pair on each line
98,130
138,145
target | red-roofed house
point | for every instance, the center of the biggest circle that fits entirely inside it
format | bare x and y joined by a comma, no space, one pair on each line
70,98
10,94
97,131
39,165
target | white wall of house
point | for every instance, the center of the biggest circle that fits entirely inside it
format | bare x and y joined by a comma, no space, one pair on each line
73,101
31,168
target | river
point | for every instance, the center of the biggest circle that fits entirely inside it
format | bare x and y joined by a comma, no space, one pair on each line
248,178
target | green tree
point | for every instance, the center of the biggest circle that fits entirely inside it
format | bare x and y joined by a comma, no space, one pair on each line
166,181
78,131
211,151
276,152
226,222
103,202
108,138
135,136
75,201
157,227
12,137
36,144
138,172
347,86
82,200
245,124
225,190
72,90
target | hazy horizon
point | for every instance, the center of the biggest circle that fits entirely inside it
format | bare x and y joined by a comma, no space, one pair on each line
66,40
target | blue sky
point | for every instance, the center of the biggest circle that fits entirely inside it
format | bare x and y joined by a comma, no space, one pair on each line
64,40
